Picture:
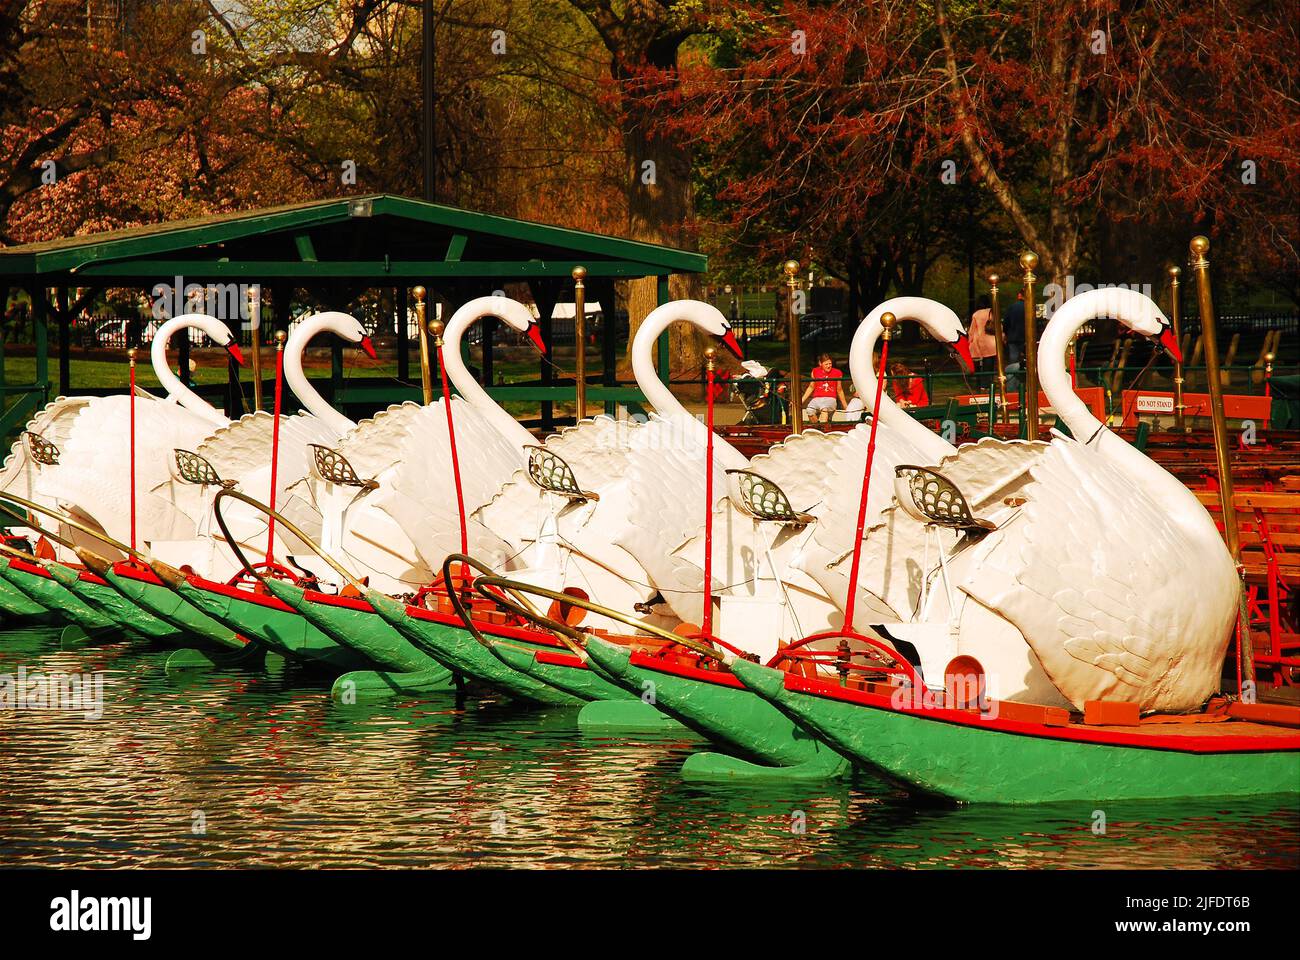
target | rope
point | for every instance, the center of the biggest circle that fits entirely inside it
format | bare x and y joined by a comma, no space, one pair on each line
133,451
275,448
706,624
866,488
455,459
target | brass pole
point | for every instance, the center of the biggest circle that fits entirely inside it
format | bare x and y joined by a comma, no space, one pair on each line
791,268
255,318
1200,264
426,374
1004,411
1175,317
580,336
1029,415
1200,246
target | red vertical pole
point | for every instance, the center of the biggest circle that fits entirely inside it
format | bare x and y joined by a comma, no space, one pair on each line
706,624
131,354
275,439
887,320
436,326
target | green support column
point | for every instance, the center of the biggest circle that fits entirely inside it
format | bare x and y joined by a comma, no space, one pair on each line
41,335
665,361
65,345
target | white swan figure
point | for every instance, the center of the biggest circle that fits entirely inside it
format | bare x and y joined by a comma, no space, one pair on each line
889,575
87,469
399,530
568,543
1112,573
240,451
821,475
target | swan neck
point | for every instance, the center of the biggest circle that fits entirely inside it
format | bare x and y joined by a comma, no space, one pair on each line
302,389
469,389
643,367
177,391
861,368
1054,376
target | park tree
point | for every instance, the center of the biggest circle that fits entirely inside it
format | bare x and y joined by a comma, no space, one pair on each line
839,125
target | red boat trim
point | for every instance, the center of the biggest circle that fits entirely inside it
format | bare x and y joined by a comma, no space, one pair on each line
125,568
89,577
235,593
495,629
648,661
26,567
334,600
1189,743
559,659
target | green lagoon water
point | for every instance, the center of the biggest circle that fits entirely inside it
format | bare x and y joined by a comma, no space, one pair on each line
244,769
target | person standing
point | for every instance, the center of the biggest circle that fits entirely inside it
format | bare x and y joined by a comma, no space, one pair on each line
983,341
826,388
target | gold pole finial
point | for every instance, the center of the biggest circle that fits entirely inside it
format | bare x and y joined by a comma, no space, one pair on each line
435,330
993,279
131,355
710,359
422,328
791,267
1029,414
580,340
1199,246
888,321
280,337
1180,407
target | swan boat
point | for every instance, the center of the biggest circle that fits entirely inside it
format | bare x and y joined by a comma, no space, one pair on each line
713,701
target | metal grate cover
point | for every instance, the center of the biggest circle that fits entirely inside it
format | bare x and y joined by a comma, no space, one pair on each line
552,474
764,500
195,469
938,499
40,449
333,467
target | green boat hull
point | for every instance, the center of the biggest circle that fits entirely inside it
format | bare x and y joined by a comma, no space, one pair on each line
354,624
581,682
170,607
47,594
280,627
457,650
101,595
978,764
17,606
723,711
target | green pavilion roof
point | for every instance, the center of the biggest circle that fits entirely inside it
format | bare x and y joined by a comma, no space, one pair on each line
377,237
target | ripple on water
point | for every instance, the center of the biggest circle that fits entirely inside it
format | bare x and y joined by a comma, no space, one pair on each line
279,776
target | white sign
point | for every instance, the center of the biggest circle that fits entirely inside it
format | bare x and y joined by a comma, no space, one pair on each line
1154,404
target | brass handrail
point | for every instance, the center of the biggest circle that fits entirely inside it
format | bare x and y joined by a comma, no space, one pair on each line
283,521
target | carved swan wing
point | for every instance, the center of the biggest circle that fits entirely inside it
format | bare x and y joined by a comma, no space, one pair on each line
1116,601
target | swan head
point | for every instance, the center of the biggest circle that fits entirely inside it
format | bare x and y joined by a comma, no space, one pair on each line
349,328
944,325
216,331
519,318
938,320
710,319
1134,310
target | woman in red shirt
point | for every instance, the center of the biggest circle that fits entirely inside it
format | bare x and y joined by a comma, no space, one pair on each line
909,389
825,388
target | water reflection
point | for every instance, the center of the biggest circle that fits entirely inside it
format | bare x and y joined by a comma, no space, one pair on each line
260,769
